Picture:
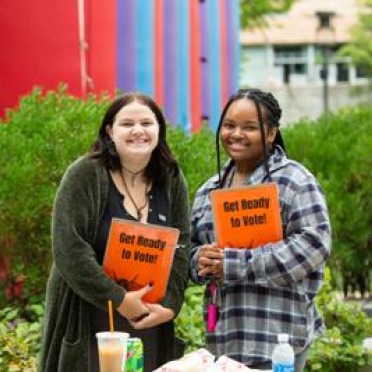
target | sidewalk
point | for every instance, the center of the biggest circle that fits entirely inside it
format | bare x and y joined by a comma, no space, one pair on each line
367,306
365,303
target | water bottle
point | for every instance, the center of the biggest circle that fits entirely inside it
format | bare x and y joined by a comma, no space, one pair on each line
283,355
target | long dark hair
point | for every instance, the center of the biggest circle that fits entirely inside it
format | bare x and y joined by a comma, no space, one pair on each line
162,159
268,111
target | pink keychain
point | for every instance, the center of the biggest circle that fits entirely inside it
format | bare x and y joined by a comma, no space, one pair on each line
212,309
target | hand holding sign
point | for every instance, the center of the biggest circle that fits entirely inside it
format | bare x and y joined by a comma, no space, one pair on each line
132,306
157,314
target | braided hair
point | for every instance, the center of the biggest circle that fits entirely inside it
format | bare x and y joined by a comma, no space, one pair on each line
268,111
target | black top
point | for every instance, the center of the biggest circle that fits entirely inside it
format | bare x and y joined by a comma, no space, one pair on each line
154,337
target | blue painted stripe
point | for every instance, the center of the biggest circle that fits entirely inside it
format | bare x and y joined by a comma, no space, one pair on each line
145,46
126,61
215,63
183,56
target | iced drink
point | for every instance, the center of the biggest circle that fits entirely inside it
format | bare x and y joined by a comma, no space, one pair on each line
112,351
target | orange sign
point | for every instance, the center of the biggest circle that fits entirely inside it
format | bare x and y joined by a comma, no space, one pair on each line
138,254
247,217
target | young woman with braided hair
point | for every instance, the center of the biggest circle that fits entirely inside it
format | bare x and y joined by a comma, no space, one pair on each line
270,289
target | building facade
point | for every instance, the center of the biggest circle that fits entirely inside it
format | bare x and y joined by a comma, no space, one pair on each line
288,58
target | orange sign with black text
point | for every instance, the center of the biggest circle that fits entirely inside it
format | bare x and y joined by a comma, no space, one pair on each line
247,217
138,254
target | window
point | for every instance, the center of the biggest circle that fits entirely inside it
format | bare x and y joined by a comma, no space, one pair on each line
289,54
292,61
342,72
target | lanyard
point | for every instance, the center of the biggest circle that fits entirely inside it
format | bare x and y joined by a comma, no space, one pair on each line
212,309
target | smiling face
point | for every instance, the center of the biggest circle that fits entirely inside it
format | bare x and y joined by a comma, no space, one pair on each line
135,132
240,134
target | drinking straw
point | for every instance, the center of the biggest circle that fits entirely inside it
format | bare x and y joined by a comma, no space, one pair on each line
111,320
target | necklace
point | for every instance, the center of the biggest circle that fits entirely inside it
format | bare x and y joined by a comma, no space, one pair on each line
133,174
138,209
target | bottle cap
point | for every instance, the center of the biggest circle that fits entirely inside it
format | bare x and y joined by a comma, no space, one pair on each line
283,337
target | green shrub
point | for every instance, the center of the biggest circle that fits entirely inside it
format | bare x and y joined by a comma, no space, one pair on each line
190,323
196,155
37,142
341,347
337,149
20,332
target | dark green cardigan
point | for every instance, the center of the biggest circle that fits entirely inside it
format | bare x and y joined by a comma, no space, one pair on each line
76,281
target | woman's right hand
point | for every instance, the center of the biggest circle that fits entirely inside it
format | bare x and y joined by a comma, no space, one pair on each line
132,306
210,260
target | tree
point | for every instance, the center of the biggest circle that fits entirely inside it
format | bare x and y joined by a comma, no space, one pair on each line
360,46
253,11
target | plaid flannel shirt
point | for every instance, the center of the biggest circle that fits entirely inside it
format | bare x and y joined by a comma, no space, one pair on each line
269,289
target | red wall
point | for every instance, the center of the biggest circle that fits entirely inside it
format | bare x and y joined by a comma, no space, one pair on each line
101,34
39,43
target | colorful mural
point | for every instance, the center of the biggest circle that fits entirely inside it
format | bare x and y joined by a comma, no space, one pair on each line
184,53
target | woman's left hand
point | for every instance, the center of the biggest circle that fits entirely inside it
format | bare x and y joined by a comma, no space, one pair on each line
158,314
